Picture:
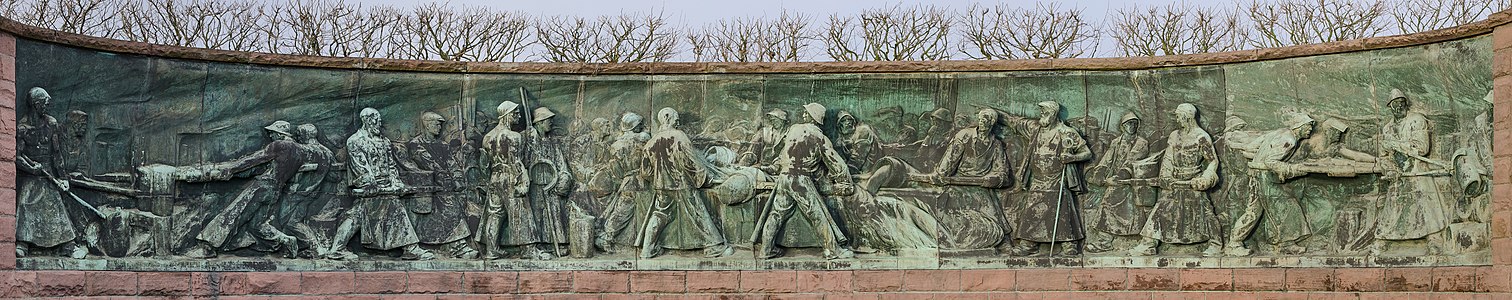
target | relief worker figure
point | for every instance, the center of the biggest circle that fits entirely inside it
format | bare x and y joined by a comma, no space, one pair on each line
1329,144
384,221
252,212
806,156
1268,206
762,150
600,132
316,215
625,169
676,171
592,162
439,212
1413,207
1183,213
1048,212
507,217
75,143
1472,166
1123,206
551,182
42,220
973,170
858,142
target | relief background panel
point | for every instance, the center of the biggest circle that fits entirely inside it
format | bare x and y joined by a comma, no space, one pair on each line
733,108
103,84
401,98
892,103
595,96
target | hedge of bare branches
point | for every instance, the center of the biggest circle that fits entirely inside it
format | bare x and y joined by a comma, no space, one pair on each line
436,31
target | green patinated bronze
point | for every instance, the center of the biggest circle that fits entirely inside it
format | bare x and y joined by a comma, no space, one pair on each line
1375,158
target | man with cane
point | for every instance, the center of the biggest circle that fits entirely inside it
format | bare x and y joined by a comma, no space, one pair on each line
1047,213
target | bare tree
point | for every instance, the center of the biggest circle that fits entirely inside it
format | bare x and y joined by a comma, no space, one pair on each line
1177,29
331,28
633,37
370,35
897,32
218,24
753,39
1424,15
1293,22
1006,32
436,31
88,17
890,34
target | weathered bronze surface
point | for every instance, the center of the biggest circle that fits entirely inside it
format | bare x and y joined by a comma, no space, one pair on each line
1377,158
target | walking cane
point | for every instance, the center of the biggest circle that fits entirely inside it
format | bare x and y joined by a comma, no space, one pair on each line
1060,193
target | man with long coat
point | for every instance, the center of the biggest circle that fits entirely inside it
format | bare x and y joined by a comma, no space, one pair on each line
1122,207
1048,212
316,214
628,187
1184,214
439,212
676,171
1414,206
551,182
384,220
978,160
507,208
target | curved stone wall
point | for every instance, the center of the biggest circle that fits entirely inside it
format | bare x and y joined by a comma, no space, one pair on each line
1358,155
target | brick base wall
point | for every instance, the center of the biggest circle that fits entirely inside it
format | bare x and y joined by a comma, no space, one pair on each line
1483,282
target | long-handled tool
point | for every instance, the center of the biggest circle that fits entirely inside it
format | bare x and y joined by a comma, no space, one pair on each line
59,183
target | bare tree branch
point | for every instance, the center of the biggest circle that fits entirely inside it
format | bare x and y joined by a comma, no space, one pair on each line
435,31
218,24
894,33
439,31
753,39
1006,32
636,37
1424,15
1177,29
87,17
1294,22
331,28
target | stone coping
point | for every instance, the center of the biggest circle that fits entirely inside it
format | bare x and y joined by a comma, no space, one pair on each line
248,264
120,46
